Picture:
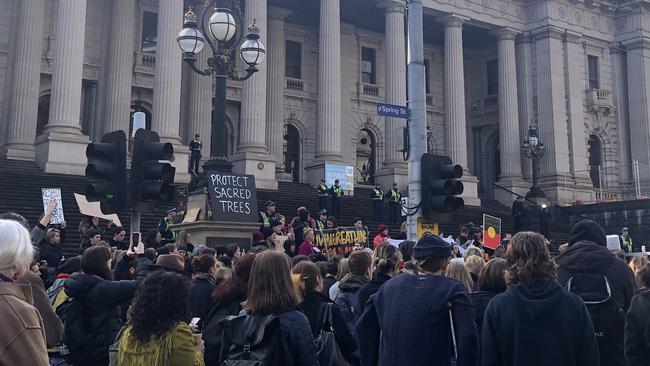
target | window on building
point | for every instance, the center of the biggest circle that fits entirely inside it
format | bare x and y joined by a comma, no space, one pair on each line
293,64
149,31
592,63
427,75
492,77
368,65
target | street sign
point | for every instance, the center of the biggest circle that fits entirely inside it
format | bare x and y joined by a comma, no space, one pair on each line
391,110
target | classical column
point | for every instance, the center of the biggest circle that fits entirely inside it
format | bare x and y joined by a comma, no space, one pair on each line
575,55
525,92
276,84
199,103
61,149
25,80
619,71
119,73
455,124
167,78
509,139
252,154
328,143
638,83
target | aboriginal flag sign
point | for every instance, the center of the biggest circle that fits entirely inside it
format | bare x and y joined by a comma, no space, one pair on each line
491,231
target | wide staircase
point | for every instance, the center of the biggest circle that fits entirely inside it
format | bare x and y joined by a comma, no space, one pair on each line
21,183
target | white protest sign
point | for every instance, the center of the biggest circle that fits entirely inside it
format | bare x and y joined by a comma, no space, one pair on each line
94,209
50,194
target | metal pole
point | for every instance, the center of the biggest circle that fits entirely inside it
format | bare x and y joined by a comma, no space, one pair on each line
416,103
135,222
600,181
218,160
535,176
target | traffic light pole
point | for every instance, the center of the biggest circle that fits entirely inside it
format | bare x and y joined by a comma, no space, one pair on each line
416,103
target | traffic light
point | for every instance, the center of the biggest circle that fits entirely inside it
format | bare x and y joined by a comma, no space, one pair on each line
106,171
151,180
440,184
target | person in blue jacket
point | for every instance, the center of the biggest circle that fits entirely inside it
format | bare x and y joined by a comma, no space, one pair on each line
408,321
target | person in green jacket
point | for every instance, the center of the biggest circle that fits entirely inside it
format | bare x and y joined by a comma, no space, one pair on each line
157,333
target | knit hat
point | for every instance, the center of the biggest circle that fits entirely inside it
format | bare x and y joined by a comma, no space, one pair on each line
92,232
431,246
588,230
268,204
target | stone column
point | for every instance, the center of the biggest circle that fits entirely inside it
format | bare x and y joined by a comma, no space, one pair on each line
276,85
525,91
552,110
455,116
25,80
619,71
252,154
120,62
638,83
328,143
395,168
167,84
199,103
61,149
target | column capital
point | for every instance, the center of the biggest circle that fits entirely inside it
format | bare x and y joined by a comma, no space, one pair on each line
392,6
617,48
504,34
525,37
452,20
572,37
547,31
278,14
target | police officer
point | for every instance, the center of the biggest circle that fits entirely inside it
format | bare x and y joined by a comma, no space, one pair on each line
377,197
168,236
336,192
322,195
626,240
195,154
394,203
265,218
321,223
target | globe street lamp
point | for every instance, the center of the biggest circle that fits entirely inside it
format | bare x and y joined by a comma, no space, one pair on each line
224,33
534,149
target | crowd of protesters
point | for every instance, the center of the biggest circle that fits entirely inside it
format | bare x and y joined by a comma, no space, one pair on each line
439,301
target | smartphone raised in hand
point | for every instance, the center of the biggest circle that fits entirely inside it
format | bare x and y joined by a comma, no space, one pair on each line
135,239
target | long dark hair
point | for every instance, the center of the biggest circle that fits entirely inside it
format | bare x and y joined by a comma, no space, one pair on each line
94,261
270,289
161,303
235,288
528,259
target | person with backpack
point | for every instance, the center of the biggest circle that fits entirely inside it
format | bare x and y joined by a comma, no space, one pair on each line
407,322
637,323
22,340
360,263
603,281
158,333
228,297
535,321
272,331
315,305
385,263
92,317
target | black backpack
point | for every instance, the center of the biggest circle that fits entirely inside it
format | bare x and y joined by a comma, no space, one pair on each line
77,340
251,340
212,330
607,317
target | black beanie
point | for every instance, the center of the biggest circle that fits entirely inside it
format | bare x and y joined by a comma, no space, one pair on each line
431,246
588,230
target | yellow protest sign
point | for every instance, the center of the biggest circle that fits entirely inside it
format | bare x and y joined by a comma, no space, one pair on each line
427,227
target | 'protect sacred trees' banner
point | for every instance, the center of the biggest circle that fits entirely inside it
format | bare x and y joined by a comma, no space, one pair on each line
341,240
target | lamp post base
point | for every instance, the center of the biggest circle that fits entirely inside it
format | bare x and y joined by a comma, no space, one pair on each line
213,165
535,192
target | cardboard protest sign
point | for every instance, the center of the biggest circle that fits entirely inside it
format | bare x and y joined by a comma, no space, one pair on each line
50,194
191,215
491,231
94,209
341,240
279,241
427,227
232,197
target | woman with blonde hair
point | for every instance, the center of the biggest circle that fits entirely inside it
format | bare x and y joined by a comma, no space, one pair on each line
474,265
636,264
22,341
458,271
344,268
307,247
386,260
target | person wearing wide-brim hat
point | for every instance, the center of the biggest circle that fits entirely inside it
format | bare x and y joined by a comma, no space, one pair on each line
265,218
423,304
169,262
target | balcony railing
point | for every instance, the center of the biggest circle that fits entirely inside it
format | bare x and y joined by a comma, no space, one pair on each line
490,101
600,100
372,90
295,84
147,60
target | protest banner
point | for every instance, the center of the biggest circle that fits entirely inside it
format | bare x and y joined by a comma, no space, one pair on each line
94,209
50,194
491,231
233,197
341,240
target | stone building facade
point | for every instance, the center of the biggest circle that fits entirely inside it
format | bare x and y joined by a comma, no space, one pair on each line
72,70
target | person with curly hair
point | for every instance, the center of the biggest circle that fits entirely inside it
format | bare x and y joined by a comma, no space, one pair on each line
535,319
158,333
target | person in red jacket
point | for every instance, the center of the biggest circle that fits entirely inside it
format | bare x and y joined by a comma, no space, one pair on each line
381,236
307,247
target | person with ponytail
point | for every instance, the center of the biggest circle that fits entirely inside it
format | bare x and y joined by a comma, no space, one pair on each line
307,279
385,263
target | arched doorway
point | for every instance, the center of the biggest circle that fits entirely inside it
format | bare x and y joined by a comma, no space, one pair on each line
43,113
366,157
291,151
595,159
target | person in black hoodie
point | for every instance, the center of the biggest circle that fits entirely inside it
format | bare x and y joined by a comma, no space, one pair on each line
307,279
385,263
99,297
536,322
360,263
637,324
587,255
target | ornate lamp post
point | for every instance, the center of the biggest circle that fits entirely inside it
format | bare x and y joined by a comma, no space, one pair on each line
225,29
534,149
